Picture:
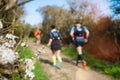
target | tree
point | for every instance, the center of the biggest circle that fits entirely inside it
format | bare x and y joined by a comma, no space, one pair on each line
60,17
10,13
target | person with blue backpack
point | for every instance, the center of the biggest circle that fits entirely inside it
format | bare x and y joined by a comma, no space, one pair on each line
79,35
54,42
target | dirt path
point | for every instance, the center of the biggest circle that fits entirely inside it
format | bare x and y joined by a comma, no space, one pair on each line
68,72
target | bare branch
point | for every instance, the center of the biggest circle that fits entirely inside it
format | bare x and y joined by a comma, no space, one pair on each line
20,4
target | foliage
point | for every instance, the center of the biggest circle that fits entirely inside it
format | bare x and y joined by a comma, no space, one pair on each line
115,8
25,52
70,52
10,12
60,17
28,30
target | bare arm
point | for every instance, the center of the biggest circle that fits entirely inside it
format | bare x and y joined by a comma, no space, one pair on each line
49,43
87,36
72,35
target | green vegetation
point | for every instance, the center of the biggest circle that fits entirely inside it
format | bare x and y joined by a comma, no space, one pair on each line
34,40
111,69
24,53
39,73
70,52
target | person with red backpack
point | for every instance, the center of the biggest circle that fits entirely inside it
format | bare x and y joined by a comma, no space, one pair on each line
54,42
37,34
79,35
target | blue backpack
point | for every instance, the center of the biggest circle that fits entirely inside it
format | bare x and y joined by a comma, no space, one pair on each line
55,35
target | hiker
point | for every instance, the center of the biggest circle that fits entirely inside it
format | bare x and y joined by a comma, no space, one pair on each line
37,34
79,35
54,42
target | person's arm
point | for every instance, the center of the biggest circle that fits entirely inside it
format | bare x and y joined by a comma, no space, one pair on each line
72,33
49,43
87,34
60,36
50,40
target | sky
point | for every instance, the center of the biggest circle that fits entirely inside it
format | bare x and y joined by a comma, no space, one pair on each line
32,16
97,8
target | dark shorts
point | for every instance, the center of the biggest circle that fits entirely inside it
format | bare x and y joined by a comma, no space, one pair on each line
77,44
55,45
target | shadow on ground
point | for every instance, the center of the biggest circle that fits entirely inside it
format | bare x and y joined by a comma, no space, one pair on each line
70,61
45,61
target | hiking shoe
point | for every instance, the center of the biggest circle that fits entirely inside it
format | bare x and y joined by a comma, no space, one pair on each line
61,64
84,64
54,65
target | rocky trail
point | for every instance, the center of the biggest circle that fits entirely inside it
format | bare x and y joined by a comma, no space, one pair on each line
69,70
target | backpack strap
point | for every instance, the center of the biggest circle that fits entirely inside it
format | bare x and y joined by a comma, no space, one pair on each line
78,31
52,35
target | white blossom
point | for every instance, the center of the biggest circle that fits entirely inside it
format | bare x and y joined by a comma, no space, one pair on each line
7,44
10,36
1,25
29,67
24,44
8,55
1,37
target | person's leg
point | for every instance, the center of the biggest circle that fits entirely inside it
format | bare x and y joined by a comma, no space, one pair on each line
58,55
54,58
38,41
80,56
58,52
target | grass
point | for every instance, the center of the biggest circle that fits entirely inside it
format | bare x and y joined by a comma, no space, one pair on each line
39,72
105,67
34,40
69,52
24,53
